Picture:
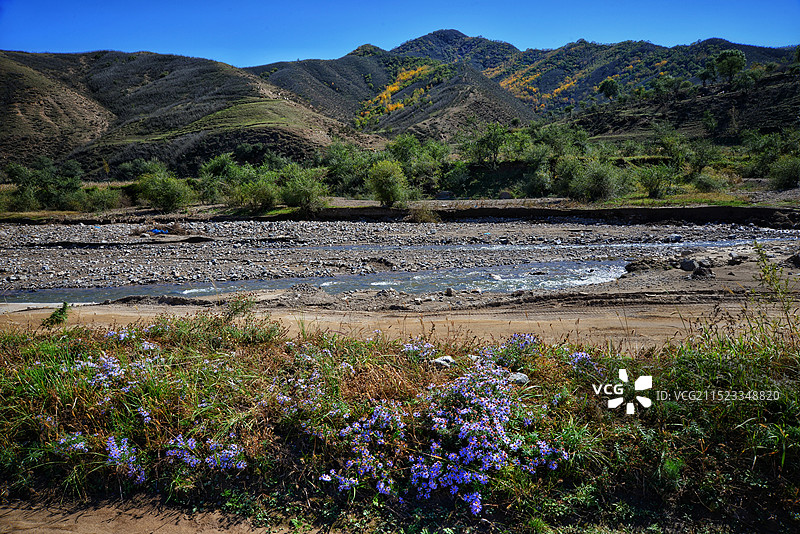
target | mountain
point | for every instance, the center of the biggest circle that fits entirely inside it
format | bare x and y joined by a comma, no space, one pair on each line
390,92
110,107
116,106
552,79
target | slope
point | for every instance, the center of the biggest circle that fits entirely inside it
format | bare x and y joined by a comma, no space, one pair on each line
769,106
389,93
178,109
552,79
41,116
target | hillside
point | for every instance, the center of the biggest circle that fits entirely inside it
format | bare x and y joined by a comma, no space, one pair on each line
552,79
768,107
386,92
113,107
117,106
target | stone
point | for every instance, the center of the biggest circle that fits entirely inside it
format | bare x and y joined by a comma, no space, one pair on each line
689,265
449,292
736,259
519,379
701,273
444,361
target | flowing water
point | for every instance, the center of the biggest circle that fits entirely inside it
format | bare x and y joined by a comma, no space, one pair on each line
550,275
504,278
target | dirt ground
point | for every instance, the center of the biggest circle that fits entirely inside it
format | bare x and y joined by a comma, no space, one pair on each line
641,310
137,517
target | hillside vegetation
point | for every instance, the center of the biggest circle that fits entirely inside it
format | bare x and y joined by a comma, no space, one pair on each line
553,79
115,107
476,109
381,91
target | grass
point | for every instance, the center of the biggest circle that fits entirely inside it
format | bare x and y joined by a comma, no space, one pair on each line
223,410
247,113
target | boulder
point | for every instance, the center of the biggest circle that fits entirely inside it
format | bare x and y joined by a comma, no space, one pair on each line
702,273
519,379
444,361
689,265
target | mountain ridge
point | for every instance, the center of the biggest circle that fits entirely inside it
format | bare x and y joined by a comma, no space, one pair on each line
109,107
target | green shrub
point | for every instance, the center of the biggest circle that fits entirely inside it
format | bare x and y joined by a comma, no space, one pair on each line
705,183
164,191
656,180
457,178
387,182
134,169
538,184
45,186
537,156
101,199
261,194
220,174
568,169
597,181
303,188
785,173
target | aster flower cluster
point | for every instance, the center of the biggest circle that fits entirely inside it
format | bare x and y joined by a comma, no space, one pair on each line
108,372
374,440
581,362
121,335
145,415
214,455
418,349
475,426
221,456
75,442
183,450
123,457
511,353
147,346
472,422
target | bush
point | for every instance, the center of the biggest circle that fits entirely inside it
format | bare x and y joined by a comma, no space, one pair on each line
538,156
45,186
705,183
220,174
423,214
656,180
457,178
134,169
102,199
261,194
539,184
164,192
387,182
597,181
303,188
785,173
568,169
24,199
348,166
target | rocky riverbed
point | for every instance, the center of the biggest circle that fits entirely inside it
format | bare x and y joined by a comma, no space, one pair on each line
85,256
671,277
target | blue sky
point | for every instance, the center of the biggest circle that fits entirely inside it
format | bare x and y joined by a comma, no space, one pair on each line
246,33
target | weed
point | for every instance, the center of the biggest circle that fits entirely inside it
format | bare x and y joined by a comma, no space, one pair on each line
57,318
